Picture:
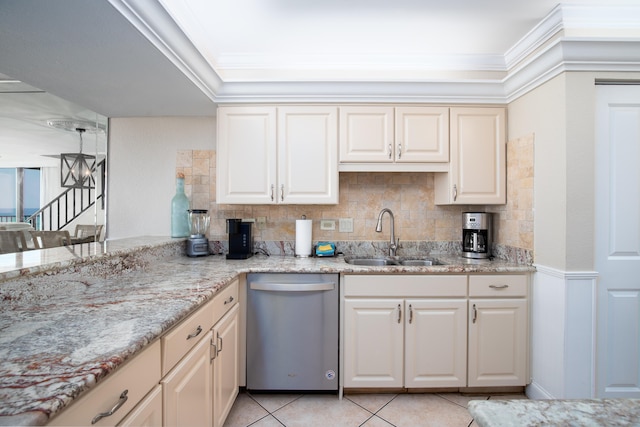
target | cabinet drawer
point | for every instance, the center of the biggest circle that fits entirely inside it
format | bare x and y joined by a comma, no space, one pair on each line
138,376
224,300
391,285
183,337
498,285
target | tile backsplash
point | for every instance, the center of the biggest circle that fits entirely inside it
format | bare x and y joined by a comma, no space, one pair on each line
410,195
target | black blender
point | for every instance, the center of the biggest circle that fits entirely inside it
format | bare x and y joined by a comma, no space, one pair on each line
197,243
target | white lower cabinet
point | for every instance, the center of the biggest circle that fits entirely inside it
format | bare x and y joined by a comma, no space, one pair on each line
147,413
187,389
435,343
201,388
374,348
405,342
498,330
412,331
117,395
226,369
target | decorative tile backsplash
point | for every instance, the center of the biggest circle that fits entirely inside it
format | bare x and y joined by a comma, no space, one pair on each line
410,195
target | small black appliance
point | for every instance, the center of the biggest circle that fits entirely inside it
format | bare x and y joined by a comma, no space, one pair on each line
240,239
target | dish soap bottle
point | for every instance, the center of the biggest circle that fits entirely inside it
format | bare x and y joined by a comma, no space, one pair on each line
179,210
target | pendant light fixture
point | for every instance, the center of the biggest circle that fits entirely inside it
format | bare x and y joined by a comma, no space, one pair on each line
77,169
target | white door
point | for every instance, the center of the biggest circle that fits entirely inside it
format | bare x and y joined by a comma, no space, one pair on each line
366,134
422,134
497,342
617,240
308,155
246,155
373,341
436,343
226,367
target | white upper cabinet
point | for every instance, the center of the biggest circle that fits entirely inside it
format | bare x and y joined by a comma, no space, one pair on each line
308,155
269,155
394,139
477,167
246,155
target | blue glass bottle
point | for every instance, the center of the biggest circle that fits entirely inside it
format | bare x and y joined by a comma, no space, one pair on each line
180,226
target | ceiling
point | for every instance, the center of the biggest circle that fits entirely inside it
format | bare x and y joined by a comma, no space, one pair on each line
126,58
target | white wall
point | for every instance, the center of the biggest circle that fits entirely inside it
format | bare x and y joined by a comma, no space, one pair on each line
542,113
561,114
141,171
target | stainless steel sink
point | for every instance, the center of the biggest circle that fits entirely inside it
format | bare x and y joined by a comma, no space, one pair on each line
371,261
419,262
391,261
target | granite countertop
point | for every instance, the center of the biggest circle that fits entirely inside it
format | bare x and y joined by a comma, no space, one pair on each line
66,323
574,412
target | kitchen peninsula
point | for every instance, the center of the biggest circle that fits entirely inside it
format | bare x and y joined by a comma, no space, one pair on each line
73,316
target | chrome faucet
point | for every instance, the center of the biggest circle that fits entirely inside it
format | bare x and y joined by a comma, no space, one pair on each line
393,243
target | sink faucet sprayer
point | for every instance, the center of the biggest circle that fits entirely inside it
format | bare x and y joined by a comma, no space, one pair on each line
393,243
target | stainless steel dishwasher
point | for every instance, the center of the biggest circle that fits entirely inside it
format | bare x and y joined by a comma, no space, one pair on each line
292,331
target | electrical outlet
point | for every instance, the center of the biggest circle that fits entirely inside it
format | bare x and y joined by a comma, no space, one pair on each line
346,225
327,224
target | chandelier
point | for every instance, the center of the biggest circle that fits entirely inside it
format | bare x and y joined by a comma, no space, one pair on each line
77,170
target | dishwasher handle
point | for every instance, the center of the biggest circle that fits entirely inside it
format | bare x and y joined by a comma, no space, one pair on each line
292,287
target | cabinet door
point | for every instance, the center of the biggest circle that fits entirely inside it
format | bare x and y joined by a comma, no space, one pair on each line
187,390
246,155
147,413
366,134
498,336
373,341
477,167
436,343
225,365
307,155
421,134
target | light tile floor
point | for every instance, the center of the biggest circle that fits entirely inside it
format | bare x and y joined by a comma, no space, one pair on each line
354,410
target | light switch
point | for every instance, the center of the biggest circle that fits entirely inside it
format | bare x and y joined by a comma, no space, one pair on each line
346,225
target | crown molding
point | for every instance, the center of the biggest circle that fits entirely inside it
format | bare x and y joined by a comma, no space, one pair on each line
543,53
153,21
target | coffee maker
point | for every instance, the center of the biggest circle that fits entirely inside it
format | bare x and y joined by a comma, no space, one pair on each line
476,235
240,239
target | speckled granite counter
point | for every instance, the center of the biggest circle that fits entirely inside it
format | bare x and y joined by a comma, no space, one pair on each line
70,316
579,412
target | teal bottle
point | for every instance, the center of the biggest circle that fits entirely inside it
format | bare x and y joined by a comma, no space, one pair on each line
179,211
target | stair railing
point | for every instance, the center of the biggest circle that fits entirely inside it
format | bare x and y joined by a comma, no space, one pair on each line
66,207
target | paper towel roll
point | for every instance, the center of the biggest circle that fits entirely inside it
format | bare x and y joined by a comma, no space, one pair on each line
303,237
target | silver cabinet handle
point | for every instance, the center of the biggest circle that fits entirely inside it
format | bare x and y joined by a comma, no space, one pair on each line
228,300
410,313
220,346
475,313
213,351
399,151
455,192
399,313
498,286
390,153
196,333
272,188
282,192
122,399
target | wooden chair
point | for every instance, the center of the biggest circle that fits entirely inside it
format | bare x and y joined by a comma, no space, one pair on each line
50,239
12,241
86,233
